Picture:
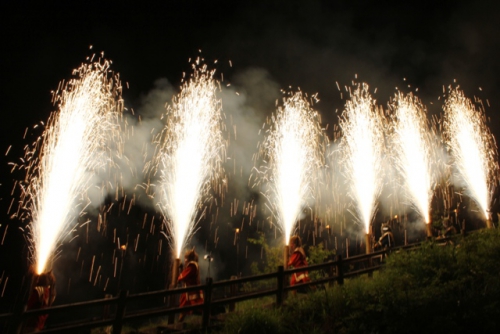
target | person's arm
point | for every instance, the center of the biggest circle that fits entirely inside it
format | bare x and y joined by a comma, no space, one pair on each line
188,271
33,299
294,259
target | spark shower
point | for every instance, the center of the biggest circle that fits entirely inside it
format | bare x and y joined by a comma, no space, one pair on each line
62,162
293,149
190,153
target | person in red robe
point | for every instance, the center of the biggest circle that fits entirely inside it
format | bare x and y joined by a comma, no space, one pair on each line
297,260
42,296
190,276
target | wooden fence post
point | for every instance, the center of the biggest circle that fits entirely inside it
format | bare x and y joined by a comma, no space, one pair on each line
207,302
280,293
172,302
340,270
331,273
370,264
106,310
120,312
232,292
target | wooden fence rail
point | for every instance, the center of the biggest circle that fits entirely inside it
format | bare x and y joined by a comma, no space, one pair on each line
333,271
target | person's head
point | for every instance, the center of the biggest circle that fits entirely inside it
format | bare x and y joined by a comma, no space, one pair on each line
191,255
295,242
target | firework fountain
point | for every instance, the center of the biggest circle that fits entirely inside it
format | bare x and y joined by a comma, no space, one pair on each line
411,141
294,151
189,157
362,147
61,164
472,147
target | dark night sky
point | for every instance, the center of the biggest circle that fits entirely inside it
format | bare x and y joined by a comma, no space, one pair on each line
308,44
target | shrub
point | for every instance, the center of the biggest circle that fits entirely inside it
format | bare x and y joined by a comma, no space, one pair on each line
254,320
446,289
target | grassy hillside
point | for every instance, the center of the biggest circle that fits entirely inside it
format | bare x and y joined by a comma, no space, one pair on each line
436,289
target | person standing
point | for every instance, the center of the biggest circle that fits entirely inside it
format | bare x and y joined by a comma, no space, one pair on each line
387,238
190,276
297,260
42,296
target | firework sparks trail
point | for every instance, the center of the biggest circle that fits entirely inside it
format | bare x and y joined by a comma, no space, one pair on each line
190,155
472,147
294,148
412,151
61,164
362,147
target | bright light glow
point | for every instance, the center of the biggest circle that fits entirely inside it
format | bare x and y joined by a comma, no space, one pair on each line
62,162
472,147
190,155
412,151
362,147
294,151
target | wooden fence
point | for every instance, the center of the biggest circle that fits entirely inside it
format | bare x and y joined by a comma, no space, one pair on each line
120,309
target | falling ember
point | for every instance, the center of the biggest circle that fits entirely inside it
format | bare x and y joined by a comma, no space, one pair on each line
362,147
190,153
411,141
294,151
62,162
472,147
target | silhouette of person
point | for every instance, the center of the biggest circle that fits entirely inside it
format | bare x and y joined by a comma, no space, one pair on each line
297,260
42,296
190,276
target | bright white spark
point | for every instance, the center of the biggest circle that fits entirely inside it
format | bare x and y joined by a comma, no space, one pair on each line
362,147
472,147
63,161
190,154
412,151
295,153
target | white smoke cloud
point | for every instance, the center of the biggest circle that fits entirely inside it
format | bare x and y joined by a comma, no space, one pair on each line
138,146
246,105
126,173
